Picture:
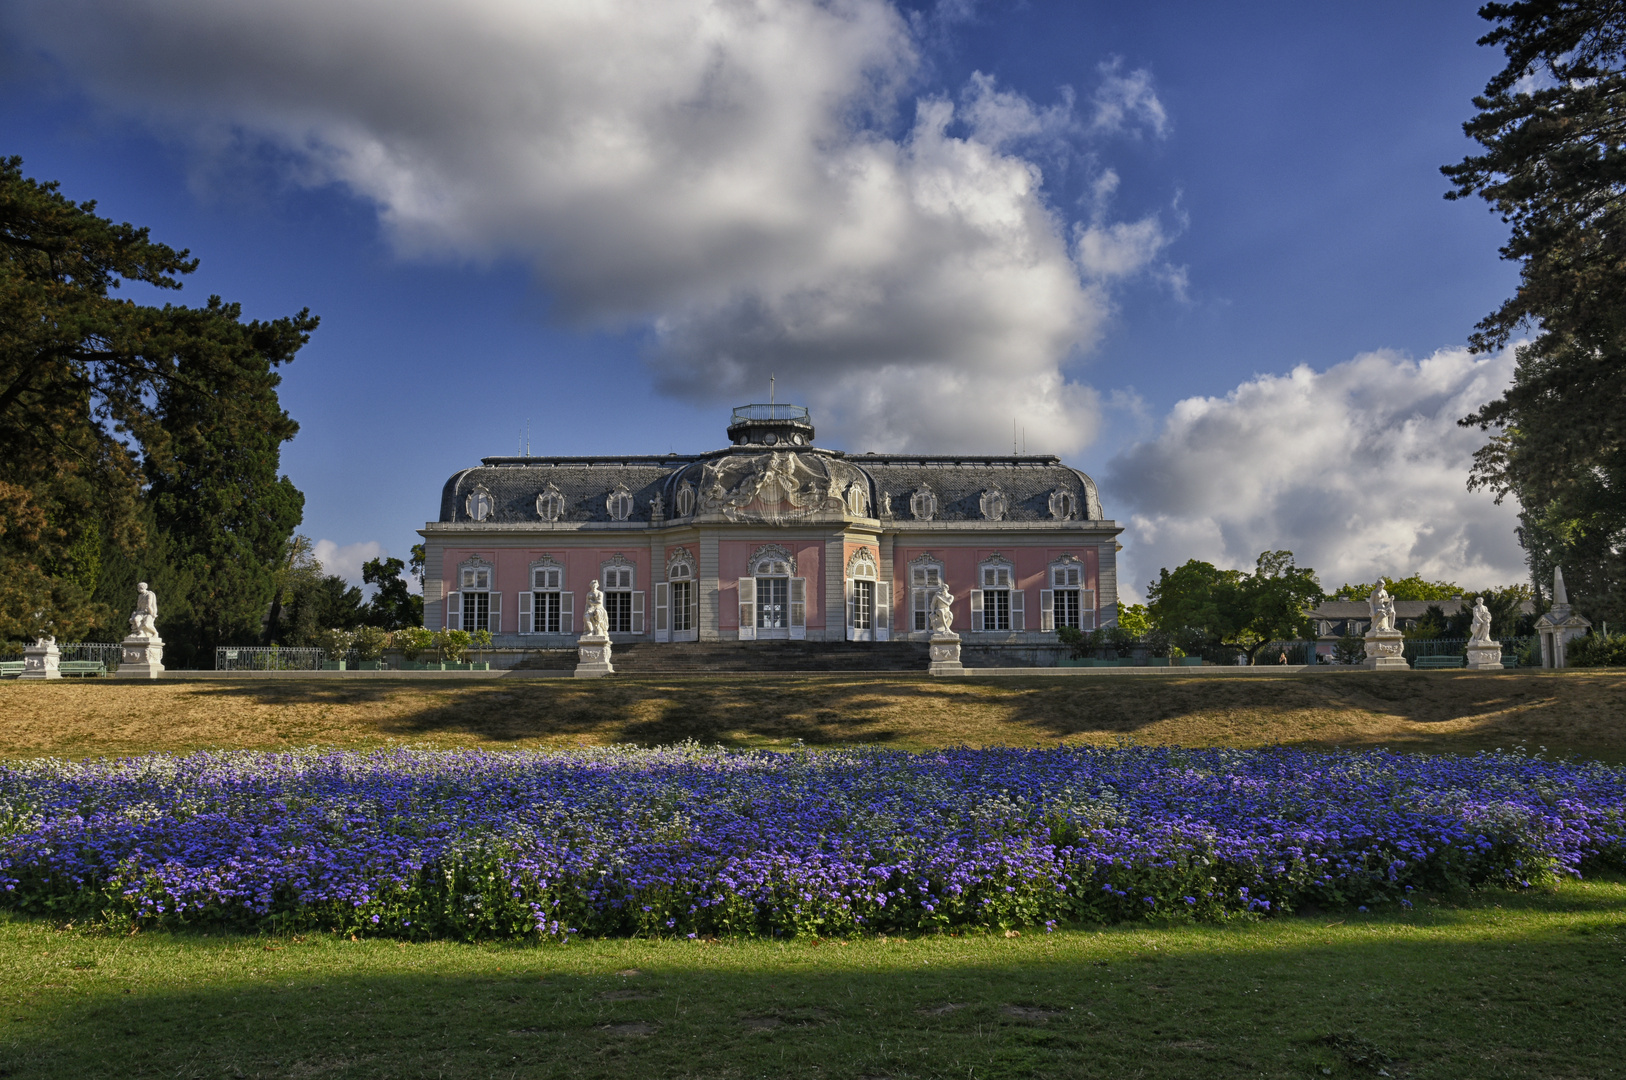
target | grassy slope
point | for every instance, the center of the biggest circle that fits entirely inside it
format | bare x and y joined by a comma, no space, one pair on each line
1571,712
1494,986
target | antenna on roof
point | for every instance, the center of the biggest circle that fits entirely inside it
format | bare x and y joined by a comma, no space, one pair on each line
1013,436
527,436
770,392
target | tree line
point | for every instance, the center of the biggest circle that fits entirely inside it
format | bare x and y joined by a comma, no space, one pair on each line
142,442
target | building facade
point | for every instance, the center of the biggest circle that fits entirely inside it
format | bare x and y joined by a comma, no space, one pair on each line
770,538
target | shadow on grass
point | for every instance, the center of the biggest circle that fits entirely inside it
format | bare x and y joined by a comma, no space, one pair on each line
1437,995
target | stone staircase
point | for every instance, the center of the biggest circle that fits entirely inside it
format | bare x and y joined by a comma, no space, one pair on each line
705,657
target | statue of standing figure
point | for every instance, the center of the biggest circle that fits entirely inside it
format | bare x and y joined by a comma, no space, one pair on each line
144,622
596,622
1383,608
1482,623
942,610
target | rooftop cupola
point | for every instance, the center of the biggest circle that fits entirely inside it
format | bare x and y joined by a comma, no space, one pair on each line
770,425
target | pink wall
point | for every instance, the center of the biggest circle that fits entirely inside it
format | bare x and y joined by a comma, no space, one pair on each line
960,564
512,573
733,563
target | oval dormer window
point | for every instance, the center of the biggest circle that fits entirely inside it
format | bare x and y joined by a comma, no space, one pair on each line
480,505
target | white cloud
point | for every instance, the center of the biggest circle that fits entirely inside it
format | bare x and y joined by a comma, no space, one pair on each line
346,561
720,170
1359,470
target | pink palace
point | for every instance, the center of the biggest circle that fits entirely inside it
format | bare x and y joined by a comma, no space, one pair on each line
770,538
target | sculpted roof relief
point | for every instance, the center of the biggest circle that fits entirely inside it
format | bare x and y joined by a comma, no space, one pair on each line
780,486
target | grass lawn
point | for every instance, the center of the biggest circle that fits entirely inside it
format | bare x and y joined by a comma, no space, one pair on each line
1431,711
1495,985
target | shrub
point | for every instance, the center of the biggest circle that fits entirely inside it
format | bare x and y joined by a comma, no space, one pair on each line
1350,649
335,643
370,642
453,644
1075,640
414,641
1157,642
1597,650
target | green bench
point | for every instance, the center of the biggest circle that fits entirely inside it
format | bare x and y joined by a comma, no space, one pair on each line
10,669
1437,662
82,667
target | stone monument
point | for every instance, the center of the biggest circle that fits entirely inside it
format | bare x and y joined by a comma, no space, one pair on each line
1559,625
593,647
1385,646
143,656
40,659
945,643
1484,652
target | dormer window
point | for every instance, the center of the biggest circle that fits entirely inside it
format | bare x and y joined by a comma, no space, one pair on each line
923,504
685,499
1063,506
857,499
480,505
995,505
550,505
619,503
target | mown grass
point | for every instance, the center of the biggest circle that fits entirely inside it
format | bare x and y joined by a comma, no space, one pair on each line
1487,986
1567,712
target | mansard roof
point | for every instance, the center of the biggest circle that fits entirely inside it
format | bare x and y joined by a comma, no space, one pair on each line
811,476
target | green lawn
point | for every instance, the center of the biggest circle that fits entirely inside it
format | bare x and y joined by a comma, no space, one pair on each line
1494,985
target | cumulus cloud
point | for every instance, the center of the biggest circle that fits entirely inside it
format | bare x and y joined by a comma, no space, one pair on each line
757,181
1359,470
346,560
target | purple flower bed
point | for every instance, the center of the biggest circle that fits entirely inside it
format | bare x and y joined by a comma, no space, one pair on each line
687,841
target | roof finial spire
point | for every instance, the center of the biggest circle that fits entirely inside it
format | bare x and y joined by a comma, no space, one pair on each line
771,398
1560,595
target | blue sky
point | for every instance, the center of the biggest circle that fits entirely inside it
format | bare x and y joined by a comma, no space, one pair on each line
1199,250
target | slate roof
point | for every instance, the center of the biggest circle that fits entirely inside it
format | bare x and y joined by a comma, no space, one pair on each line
586,482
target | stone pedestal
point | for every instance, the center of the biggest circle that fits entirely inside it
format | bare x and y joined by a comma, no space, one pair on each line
1385,651
143,658
593,656
1484,656
40,660
946,655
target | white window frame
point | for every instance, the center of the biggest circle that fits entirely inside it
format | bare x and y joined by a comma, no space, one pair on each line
619,504
620,575
546,578
863,576
684,505
475,578
1063,505
994,504
993,577
924,573
680,582
1063,576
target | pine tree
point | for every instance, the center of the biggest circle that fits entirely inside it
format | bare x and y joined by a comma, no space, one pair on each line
1553,125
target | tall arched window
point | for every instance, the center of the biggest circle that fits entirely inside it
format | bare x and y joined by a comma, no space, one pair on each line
869,600
675,600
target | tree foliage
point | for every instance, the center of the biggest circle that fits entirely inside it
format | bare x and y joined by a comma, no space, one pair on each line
1552,124
1232,607
1415,587
392,607
130,432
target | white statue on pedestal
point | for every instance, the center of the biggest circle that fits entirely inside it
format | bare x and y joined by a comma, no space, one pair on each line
1383,608
143,655
1482,623
942,616
144,622
596,622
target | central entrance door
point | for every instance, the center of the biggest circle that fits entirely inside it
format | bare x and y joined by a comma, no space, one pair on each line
773,607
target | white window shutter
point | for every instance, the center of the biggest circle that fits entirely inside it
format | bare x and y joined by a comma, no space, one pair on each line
748,609
638,612
852,633
798,607
662,603
454,611
1086,609
1047,612
883,610
1018,605
496,613
527,616
976,609
567,608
